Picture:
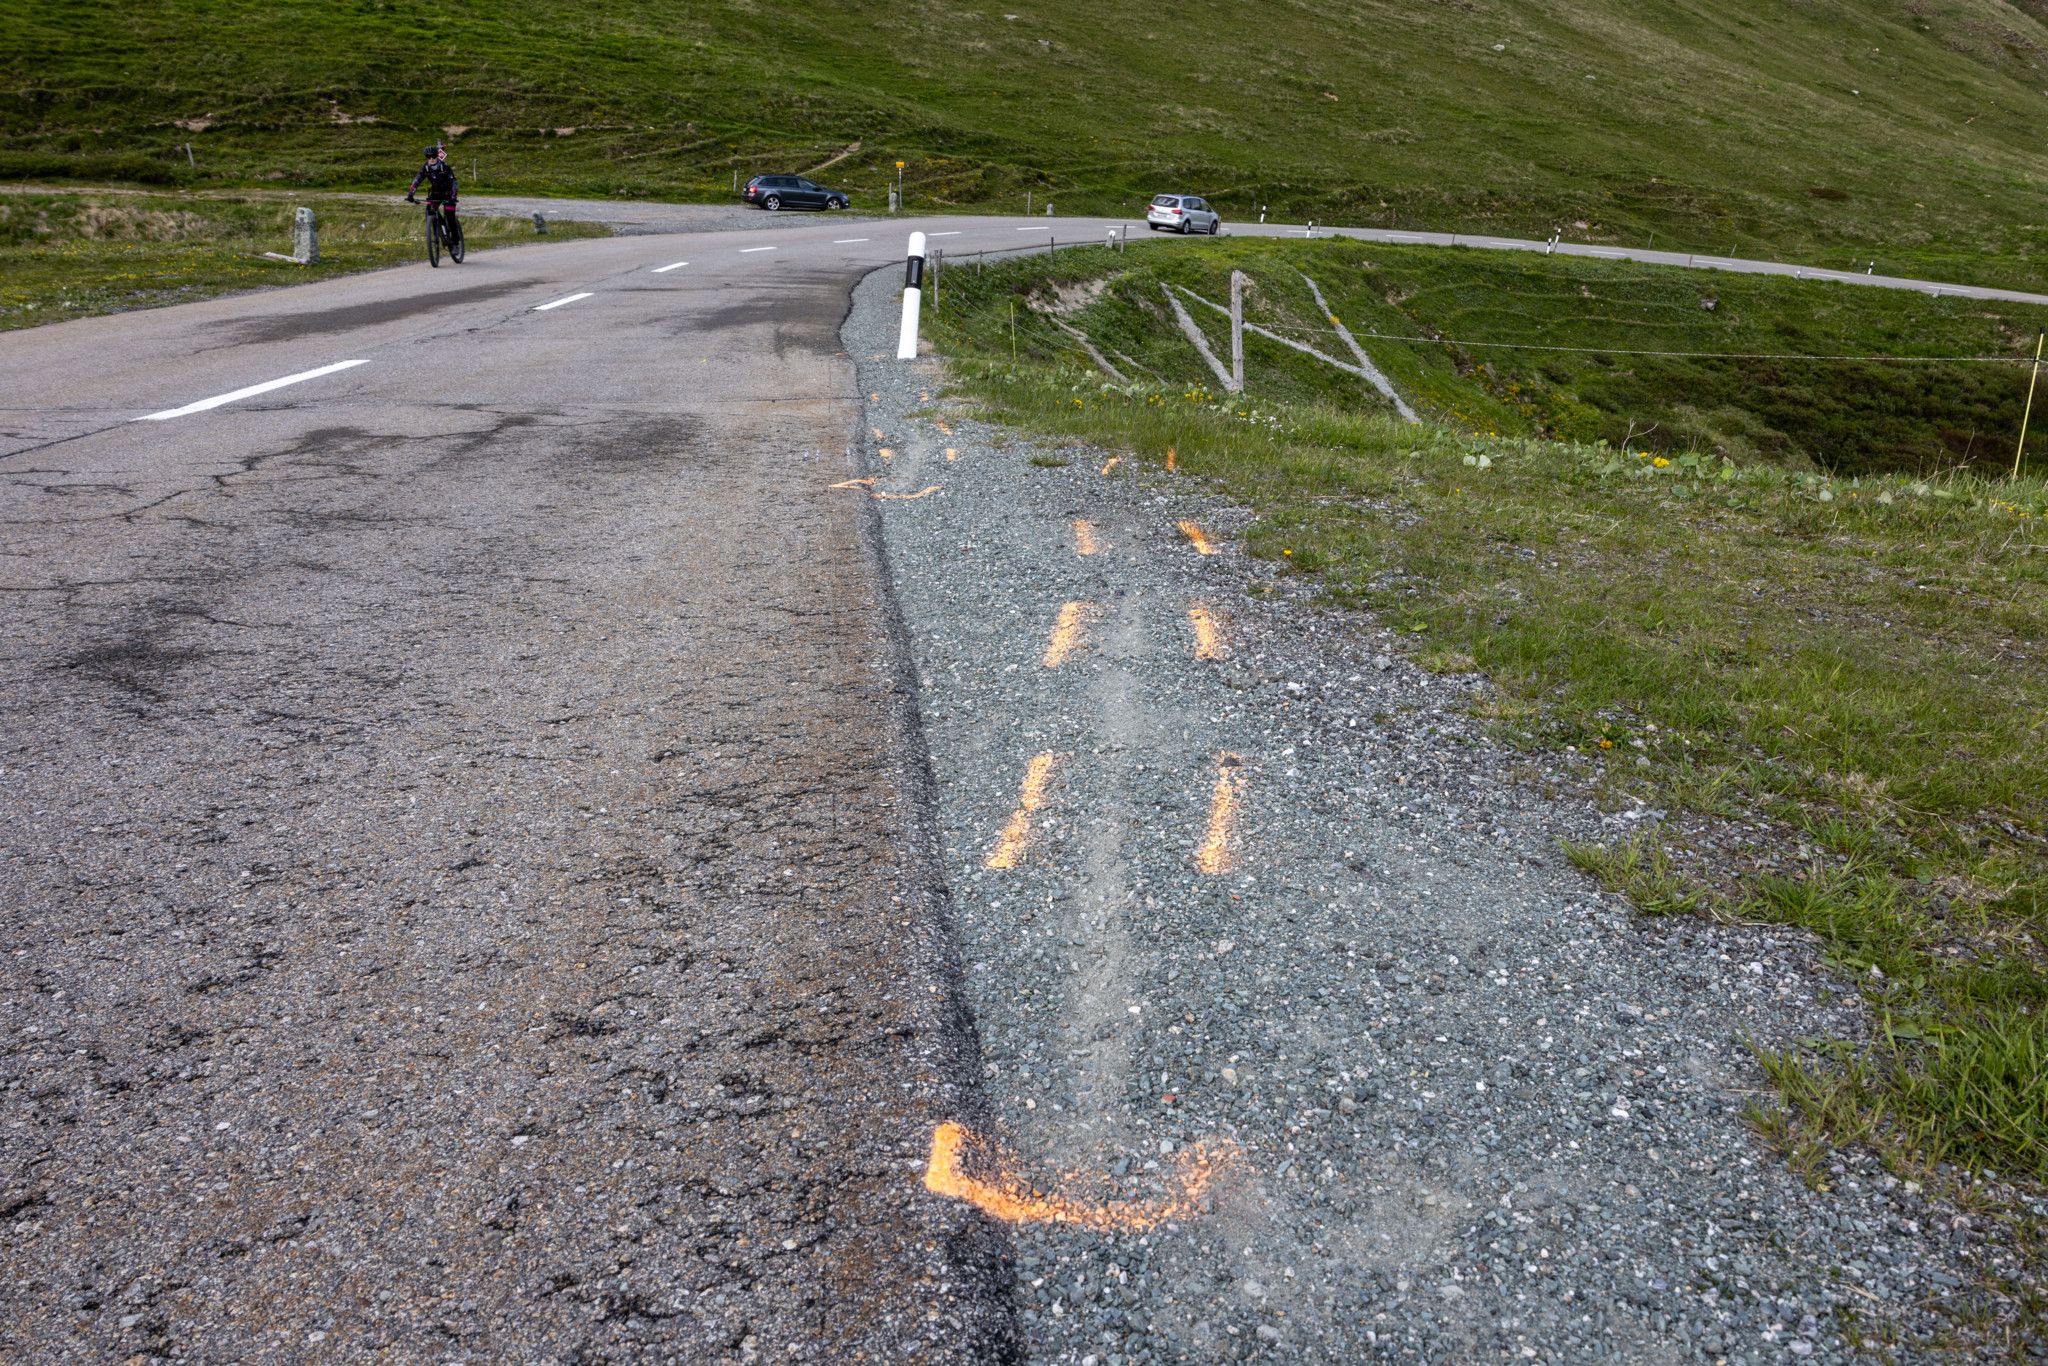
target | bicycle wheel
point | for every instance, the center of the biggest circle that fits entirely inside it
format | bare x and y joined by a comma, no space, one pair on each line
433,240
455,248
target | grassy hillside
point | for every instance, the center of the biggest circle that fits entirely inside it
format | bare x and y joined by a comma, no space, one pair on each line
1450,328
1835,131
1833,686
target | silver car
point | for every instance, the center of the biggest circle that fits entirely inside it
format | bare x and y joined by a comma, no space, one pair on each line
1182,213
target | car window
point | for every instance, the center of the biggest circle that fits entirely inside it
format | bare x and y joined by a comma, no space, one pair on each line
1166,201
1197,204
805,185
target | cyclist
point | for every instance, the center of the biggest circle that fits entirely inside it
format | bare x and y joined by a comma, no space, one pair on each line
440,179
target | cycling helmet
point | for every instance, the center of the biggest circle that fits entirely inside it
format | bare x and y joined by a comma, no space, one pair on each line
431,151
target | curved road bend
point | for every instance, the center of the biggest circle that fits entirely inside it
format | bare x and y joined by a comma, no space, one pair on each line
464,875
467,887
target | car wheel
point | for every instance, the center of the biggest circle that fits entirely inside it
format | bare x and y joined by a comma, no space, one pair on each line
836,204
1186,227
1215,227
772,203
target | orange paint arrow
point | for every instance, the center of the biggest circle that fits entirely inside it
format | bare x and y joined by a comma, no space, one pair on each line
1009,1198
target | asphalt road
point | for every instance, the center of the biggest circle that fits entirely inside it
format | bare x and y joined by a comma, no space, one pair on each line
468,884
466,892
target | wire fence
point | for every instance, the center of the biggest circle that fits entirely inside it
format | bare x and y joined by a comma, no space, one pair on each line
1050,247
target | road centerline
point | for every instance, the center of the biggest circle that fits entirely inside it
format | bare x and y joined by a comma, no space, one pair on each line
663,270
217,400
570,299
748,251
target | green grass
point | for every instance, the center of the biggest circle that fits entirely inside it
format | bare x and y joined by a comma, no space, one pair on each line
1853,661
74,255
1854,417
1835,132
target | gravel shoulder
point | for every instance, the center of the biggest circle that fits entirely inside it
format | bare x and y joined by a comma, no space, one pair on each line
1483,1111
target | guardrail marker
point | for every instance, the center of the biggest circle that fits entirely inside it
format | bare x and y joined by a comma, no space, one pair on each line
913,297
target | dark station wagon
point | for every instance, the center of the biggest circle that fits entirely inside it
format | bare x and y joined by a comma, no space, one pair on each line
790,192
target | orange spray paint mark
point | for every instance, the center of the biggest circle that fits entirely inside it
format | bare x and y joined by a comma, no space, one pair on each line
1066,633
907,497
1198,538
1085,541
1208,632
951,455
940,423
866,483
1009,850
1006,1196
1172,460
1216,856
878,434
1111,463
887,455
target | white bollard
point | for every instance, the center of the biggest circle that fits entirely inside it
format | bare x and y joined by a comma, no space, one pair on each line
913,298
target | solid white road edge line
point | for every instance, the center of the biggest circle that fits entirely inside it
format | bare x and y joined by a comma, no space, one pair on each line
203,404
542,308
745,250
663,270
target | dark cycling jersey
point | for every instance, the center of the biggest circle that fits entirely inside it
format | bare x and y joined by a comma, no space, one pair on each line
440,178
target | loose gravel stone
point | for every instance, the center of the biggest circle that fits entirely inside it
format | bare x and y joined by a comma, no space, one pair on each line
1485,1111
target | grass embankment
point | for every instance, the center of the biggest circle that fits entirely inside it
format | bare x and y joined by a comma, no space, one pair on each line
73,255
1518,345
1834,132
1857,661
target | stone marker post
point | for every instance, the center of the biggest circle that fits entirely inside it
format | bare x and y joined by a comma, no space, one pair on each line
305,238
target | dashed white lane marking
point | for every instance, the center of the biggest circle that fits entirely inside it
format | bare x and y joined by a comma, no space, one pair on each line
663,270
1034,230
954,233
748,251
847,241
203,404
542,308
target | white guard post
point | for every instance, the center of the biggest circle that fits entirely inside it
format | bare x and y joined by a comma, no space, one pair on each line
913,298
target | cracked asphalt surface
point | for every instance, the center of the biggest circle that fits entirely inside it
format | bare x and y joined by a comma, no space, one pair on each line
467,895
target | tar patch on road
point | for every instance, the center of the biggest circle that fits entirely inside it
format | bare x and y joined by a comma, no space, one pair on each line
291,325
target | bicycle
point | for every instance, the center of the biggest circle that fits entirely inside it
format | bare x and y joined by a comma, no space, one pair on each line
442,229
